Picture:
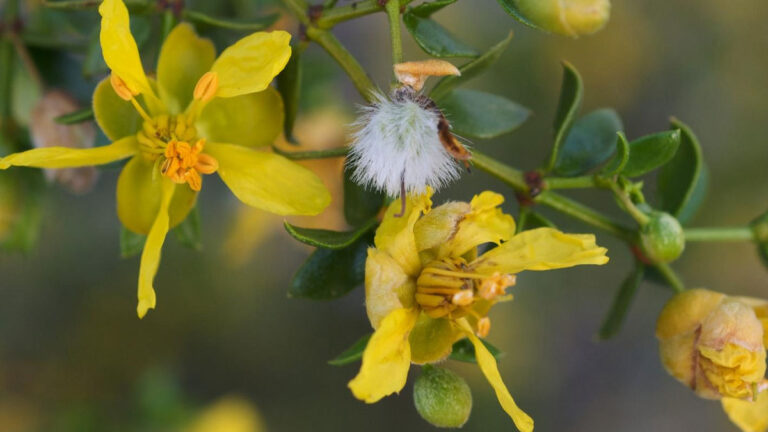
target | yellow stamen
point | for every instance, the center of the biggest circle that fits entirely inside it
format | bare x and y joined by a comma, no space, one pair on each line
184,163
483,327
121,88
495,286
125,93
206,87
463,298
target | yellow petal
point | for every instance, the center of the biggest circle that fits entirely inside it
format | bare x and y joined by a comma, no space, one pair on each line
150,256
184,58
432,339
251,63
747,415
138,197
482,221
386,359
66,157
250,120
269,181
487,364
119,48
115,116
395,235
541,249
387,287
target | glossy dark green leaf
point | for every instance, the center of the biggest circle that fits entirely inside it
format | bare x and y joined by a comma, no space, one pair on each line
360,204
471,69
477,114
253,24
682,176
650,152
433,38
511,8
331,273
622,301
353,353
188,231
131,243
464,351
620,158
591,142
289,85
79,116
571,94
326,238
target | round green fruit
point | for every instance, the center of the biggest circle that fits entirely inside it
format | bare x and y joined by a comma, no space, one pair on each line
662,238
442,398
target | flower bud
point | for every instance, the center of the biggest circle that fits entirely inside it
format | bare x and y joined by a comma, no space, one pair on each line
442,398
572,18
47,133
662,237
713,344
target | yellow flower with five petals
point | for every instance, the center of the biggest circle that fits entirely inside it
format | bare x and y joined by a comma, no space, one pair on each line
201,115
426,288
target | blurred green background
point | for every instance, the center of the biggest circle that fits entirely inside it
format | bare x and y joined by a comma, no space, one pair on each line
74,357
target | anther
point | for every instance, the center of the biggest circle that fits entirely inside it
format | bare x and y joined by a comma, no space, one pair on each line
121,88
483,327
463,298
206,87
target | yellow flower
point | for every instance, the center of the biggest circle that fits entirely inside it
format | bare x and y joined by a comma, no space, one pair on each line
716,345
202,115
426,288
228,414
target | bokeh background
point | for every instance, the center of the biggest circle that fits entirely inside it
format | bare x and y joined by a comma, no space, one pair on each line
74,357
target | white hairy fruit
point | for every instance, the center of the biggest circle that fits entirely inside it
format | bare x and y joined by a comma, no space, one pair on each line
396,142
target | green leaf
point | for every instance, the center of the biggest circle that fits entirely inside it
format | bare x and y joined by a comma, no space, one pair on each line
682,182
471,69
255,24
529,220
326,238
590,143
353,353
360,204
650,152
482,115
433,38
289,85
619,160
571,93
464,351
331,273
511,8
79,116
188,231
621,303
131,243
21,194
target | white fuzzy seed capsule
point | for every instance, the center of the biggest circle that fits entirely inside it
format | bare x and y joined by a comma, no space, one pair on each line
396,144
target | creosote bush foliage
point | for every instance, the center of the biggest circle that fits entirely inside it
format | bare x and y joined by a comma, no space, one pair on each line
432,269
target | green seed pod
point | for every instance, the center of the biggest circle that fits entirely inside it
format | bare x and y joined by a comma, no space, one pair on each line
662,237
572,18
442,398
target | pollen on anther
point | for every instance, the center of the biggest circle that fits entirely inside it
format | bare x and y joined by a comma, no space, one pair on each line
121,88
206,87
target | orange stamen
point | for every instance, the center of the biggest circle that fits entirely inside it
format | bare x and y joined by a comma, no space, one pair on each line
184,163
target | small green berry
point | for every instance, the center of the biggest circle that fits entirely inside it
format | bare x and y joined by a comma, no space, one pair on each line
662,238
442,398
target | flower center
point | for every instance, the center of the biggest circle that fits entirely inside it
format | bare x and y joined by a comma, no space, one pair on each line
449,287
171,141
